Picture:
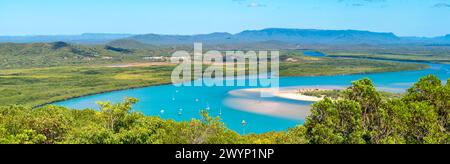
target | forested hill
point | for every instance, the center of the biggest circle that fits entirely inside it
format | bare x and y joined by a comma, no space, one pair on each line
15,55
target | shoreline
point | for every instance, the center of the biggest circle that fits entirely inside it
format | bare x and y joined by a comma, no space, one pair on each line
294,93
288,96
270,108
97,93
162,84
246,100
297,95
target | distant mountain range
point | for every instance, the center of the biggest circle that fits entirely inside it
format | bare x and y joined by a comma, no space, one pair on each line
272,36
88,38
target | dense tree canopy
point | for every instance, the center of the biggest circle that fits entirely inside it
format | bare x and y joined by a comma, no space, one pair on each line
361,115
364,116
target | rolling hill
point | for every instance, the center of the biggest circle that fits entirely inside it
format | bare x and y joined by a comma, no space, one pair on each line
88,38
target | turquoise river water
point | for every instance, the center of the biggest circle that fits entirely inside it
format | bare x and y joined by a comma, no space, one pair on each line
234,105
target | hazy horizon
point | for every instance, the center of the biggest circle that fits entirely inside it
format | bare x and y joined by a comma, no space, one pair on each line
85,33
180,17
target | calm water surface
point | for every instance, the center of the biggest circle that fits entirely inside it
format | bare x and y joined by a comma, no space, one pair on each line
231,107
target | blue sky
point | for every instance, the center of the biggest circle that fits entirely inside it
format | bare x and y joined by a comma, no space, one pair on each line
51,17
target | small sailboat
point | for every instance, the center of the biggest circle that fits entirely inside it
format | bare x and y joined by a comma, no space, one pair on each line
244,123
180,112
208,108
448,71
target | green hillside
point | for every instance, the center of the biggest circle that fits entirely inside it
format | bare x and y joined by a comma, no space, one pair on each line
64,54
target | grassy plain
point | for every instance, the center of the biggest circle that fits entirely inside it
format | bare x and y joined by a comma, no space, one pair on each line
43,85
38,86
436,54
405,57
40,73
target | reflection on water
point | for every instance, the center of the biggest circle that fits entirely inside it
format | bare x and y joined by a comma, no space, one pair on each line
249,100
270,108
